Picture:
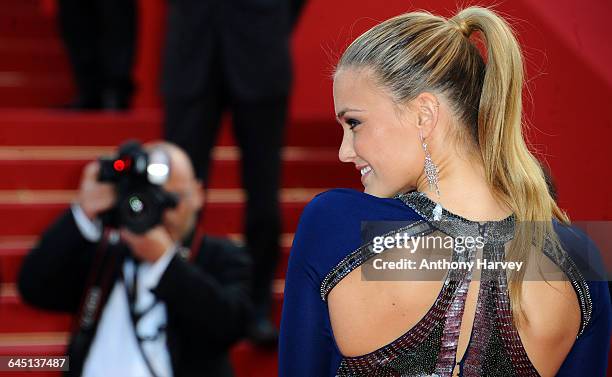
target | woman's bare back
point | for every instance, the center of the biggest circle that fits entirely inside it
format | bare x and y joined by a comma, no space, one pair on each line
367,315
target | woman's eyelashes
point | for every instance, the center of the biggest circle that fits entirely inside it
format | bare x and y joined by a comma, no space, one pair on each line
352,123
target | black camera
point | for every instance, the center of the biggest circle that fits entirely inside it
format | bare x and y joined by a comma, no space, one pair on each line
138,177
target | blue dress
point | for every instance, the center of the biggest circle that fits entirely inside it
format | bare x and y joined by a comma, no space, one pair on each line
328,245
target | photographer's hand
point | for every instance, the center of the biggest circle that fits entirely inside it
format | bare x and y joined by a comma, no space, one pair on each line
149,246
95,197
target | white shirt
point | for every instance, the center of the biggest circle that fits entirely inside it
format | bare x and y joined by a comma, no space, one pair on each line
114,350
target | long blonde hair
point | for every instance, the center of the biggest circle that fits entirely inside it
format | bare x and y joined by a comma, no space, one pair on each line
419,51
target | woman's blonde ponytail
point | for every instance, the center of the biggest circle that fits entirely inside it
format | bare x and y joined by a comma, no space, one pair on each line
510,168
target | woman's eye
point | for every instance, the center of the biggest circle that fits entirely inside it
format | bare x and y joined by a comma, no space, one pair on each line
352,123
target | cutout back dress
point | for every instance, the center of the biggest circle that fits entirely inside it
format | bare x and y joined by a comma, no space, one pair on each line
329,244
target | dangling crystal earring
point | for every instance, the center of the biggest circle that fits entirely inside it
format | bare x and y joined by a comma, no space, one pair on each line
431,171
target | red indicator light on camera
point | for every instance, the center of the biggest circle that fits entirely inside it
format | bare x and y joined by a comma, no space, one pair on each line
119,165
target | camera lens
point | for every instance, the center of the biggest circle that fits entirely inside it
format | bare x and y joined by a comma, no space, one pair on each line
136,205
139,211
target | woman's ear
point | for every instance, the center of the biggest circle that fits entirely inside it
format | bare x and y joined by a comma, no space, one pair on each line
427,110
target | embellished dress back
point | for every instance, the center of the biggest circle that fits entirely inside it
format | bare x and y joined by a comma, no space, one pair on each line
329,245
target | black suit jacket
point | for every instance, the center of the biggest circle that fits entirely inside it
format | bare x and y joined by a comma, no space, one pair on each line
247,42
207,300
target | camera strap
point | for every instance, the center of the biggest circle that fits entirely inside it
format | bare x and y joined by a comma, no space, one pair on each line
89,308
131,294
101,279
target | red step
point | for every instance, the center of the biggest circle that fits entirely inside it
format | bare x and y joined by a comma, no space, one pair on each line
45,55
38,96
33,344
19,89
50,46
17,5
302,167
25,23
62,128
18,317
22,7
223,212
13,252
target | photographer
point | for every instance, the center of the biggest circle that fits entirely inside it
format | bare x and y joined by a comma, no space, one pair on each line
143,308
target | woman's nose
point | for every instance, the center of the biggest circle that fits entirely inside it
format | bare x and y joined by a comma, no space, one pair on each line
346,153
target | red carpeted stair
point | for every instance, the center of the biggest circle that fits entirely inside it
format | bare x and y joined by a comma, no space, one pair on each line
43,152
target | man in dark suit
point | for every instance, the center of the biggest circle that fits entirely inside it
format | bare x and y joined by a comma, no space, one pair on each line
100,36
143,308
235,54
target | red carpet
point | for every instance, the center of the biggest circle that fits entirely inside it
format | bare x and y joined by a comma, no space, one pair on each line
43,152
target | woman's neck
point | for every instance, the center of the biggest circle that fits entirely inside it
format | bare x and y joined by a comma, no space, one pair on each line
464,189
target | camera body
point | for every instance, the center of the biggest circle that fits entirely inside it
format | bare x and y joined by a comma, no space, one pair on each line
138,177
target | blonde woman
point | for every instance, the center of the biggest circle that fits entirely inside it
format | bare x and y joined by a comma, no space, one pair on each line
434,128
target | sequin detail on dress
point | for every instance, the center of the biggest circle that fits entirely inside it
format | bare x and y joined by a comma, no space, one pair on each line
429,348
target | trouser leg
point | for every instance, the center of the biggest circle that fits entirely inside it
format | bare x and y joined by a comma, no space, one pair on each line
79,29
259,129
117,19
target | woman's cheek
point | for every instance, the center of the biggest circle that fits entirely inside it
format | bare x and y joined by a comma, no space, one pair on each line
359,146
366,142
